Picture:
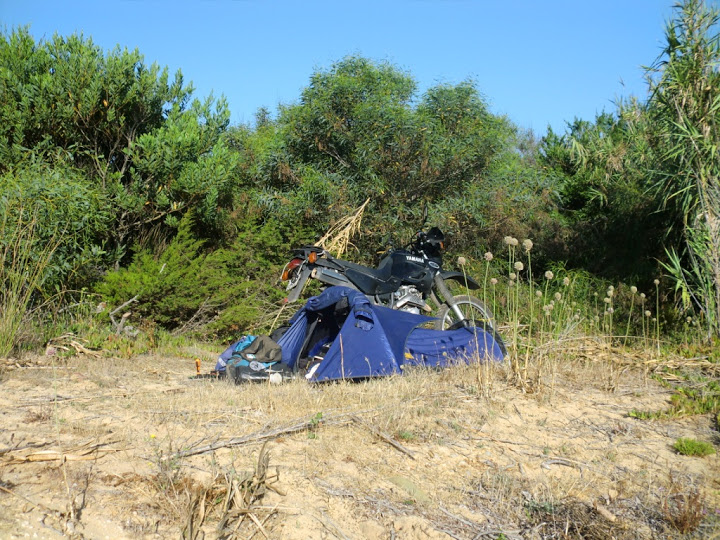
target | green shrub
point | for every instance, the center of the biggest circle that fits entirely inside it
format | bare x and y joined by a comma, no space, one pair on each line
209,293
693,447
63,207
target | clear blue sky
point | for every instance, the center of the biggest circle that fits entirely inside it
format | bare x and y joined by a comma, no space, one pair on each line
538,61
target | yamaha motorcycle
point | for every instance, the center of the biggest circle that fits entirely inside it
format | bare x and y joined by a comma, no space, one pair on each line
404,280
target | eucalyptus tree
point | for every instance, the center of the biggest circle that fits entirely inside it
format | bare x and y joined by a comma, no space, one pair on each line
360,129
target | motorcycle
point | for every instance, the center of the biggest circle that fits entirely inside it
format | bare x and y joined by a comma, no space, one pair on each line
404,280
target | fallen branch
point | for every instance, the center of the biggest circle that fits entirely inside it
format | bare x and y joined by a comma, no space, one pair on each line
92,397
392,442
48,367
305,425
120,326
67,341
330,526
564,461
36,506
86,453
503,441
7,450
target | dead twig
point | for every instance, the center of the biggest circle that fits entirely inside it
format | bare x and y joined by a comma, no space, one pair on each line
503,441
499,533
48,367
564,461
458,518
262,436
199,318
120,326
331,526
68,341
383,436
110,395
242,496
6,450
34,505
259,525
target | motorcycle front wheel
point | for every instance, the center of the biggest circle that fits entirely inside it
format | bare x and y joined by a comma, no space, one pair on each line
474,311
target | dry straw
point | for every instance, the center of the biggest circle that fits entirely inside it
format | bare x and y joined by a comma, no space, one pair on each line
337,239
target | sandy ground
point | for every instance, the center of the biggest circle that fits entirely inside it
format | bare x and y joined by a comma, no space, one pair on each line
98,448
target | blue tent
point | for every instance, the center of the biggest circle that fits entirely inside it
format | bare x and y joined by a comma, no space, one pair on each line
361,340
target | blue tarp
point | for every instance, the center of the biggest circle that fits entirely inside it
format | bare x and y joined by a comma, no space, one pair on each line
366,340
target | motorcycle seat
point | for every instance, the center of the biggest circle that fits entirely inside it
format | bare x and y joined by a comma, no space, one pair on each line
371,280
382,273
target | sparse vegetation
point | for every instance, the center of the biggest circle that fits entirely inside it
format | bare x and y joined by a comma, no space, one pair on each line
173,454
684,512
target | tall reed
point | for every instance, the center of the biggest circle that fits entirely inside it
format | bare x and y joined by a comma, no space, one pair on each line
24,265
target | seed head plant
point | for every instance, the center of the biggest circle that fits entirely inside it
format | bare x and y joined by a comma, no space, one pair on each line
538,315
633,292
657,311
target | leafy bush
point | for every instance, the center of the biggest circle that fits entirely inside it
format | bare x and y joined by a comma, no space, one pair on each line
63,206
152,152
51,226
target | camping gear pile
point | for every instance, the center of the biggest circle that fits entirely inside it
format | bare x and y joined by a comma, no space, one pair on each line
340,334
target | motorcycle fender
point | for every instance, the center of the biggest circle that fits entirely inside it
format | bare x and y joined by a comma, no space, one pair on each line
296,289
467,281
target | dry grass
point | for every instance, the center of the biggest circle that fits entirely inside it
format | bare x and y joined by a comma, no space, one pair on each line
337,239
459,453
